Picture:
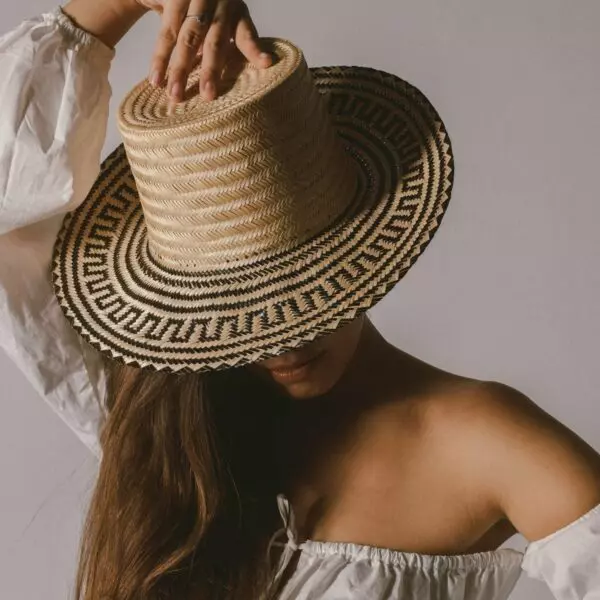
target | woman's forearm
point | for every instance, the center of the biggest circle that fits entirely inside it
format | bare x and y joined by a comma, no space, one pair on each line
108,20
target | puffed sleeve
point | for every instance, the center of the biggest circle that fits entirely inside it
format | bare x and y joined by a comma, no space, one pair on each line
568,560
54,94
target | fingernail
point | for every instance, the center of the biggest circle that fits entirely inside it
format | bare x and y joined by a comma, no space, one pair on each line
155,78
209,87
265,55
176,90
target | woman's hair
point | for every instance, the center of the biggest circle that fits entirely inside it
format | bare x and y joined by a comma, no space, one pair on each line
185,501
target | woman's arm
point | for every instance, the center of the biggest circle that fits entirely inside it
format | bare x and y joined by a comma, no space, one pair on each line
54,99
541,476
106,20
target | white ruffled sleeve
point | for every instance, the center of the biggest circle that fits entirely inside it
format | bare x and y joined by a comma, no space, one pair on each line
54,94
568,560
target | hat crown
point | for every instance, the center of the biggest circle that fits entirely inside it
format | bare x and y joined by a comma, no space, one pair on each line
257,171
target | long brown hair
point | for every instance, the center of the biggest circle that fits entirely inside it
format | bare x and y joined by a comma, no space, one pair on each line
185,500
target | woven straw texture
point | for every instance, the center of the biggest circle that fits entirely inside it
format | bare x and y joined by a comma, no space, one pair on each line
238,229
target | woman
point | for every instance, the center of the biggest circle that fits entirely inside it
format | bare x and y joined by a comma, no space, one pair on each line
404,479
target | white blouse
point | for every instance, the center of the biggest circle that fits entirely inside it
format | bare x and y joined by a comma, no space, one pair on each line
54,94
337,570
568,560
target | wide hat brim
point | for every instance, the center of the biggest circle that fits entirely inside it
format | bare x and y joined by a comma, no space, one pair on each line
128,306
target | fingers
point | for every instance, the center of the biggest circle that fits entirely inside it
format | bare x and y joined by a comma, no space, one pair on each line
215,50
183,38
172,18
246,39
189,42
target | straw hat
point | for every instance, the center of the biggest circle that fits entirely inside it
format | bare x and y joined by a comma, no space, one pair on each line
234,230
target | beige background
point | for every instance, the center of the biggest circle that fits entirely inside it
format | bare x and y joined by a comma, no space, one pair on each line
508,290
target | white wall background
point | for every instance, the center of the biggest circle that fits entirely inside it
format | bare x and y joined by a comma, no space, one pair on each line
508,290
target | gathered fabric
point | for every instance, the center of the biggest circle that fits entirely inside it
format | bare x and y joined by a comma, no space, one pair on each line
338,570
568,560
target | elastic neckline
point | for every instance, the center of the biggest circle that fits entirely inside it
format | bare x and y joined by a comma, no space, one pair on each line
503,557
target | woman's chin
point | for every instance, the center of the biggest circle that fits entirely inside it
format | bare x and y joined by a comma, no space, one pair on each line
305,389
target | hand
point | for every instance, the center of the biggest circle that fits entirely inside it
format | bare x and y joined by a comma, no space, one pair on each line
183,41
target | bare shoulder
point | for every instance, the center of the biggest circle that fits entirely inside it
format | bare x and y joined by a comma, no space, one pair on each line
539,473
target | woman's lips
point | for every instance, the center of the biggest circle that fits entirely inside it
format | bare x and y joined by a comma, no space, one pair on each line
295,372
